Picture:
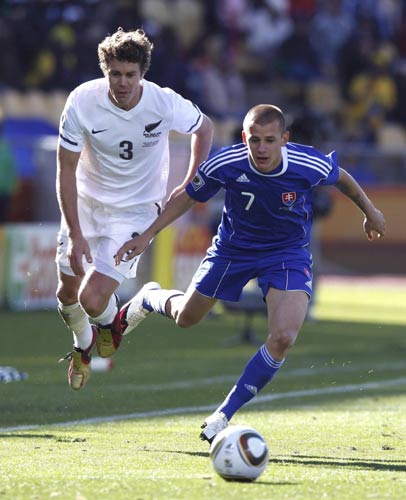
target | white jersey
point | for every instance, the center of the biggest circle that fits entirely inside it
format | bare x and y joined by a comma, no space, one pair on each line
124,159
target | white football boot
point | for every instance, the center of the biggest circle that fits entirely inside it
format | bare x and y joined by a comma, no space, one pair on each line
213,425
132,313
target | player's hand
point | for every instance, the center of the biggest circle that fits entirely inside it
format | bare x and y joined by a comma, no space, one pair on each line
131,249
375,222
77,248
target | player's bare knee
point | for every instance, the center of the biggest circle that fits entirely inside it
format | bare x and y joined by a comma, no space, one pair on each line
66,295
282,341
90,303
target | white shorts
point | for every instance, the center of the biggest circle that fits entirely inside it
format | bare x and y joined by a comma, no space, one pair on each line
106,230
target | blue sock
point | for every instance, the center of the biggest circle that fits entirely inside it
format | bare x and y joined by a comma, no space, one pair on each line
259,370
155,300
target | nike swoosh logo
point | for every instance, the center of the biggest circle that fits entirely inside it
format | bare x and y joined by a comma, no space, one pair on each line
98,131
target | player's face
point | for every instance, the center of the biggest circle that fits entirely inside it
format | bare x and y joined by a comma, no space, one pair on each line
124,83
264,143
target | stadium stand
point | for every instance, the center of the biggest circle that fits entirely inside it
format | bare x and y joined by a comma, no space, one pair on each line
208,51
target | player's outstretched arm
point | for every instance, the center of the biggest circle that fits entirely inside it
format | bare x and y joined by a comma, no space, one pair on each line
374,219
174,209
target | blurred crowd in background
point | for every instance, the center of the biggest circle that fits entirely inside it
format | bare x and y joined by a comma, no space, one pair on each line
337,67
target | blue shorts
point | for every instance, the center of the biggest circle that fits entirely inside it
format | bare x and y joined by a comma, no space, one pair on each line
224,278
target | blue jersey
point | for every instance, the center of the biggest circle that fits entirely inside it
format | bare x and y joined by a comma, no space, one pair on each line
264,211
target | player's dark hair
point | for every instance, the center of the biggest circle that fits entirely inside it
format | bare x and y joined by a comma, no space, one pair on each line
262,114
129,46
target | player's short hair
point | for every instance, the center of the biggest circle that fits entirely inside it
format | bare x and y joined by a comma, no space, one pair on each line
262,114
129,46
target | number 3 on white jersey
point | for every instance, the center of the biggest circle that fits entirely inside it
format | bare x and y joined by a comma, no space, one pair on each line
251,197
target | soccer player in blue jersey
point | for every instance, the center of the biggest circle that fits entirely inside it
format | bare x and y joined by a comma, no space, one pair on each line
264,234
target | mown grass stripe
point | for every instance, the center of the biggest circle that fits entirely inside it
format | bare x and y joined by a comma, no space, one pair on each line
206,408
285,373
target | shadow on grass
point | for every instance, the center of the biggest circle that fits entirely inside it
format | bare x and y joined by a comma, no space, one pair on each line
353,463
58,439
27,436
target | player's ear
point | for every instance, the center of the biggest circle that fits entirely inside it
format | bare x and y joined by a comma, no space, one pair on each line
244,137
285,137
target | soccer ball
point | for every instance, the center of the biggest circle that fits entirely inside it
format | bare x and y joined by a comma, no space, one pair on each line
239,453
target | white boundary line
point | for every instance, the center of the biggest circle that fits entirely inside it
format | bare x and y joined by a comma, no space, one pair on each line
199,409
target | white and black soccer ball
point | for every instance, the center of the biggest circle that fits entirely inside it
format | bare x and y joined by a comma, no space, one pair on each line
239,453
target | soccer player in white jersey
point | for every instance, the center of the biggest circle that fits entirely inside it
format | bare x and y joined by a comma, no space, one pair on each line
264,234
112,170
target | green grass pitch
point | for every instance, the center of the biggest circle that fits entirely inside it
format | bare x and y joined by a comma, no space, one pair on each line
333,418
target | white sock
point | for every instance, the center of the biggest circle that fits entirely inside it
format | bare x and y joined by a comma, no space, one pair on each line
155,300
108,315
77,321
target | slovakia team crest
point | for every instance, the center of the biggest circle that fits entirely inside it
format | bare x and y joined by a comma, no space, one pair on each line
289,198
